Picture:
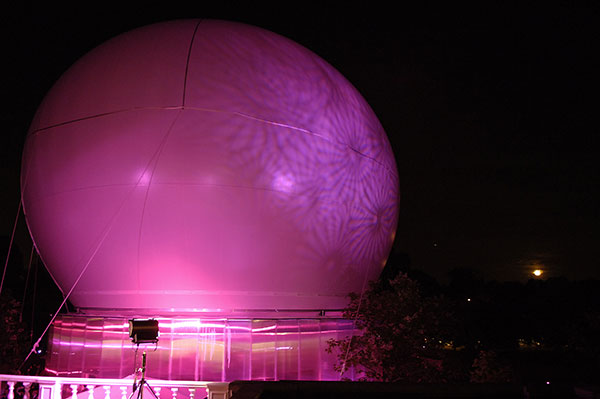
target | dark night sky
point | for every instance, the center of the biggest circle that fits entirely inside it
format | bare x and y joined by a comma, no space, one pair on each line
489,112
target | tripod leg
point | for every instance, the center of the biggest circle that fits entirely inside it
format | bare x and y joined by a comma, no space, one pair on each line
143,381
135,387
135,384
151,390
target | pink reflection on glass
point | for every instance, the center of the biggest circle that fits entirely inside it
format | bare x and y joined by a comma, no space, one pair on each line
215,166
199,349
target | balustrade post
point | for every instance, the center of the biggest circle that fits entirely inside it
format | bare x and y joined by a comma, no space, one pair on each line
52,388
74,391
11,389
45,390
218,390
57,390
90,389
26,387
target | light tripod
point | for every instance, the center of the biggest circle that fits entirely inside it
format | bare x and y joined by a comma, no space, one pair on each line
142,331
139,386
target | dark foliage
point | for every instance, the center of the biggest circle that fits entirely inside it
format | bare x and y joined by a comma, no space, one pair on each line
403,334
13,338
472,330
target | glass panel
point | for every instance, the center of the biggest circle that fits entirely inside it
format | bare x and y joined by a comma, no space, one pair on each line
238,340
54,351
64,346
287,349
93,347
212,350
263,349
76,327
336,329
113,335
310,356
185,348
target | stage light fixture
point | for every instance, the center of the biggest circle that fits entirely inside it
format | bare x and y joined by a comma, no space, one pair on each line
143,331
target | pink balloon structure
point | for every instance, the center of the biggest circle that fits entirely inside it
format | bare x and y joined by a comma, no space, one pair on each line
200,164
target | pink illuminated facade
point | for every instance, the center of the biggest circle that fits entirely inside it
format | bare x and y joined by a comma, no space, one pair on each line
210,349
208,168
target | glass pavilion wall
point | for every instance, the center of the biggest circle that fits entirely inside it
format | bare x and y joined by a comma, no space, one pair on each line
200,349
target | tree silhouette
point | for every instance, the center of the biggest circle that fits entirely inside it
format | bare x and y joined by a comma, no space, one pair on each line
13,339
403,335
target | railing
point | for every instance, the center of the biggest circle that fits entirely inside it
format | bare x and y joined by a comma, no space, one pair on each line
106,388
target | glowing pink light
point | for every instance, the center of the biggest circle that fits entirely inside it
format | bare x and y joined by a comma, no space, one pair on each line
105,344
261,329
193,324
279,349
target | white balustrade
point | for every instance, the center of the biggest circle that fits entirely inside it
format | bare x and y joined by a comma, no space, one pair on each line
27,386
11,389
100,388
57,390
74,390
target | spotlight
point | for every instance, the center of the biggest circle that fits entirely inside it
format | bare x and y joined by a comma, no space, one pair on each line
143,331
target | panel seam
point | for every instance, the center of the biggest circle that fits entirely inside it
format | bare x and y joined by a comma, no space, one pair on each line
187,63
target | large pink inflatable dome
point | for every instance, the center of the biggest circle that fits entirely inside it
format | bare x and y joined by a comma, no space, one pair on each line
208,165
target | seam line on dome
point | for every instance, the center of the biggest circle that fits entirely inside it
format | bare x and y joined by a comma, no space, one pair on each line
154,159
85,118
187,63
172,184
134,185
306,131
178,107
